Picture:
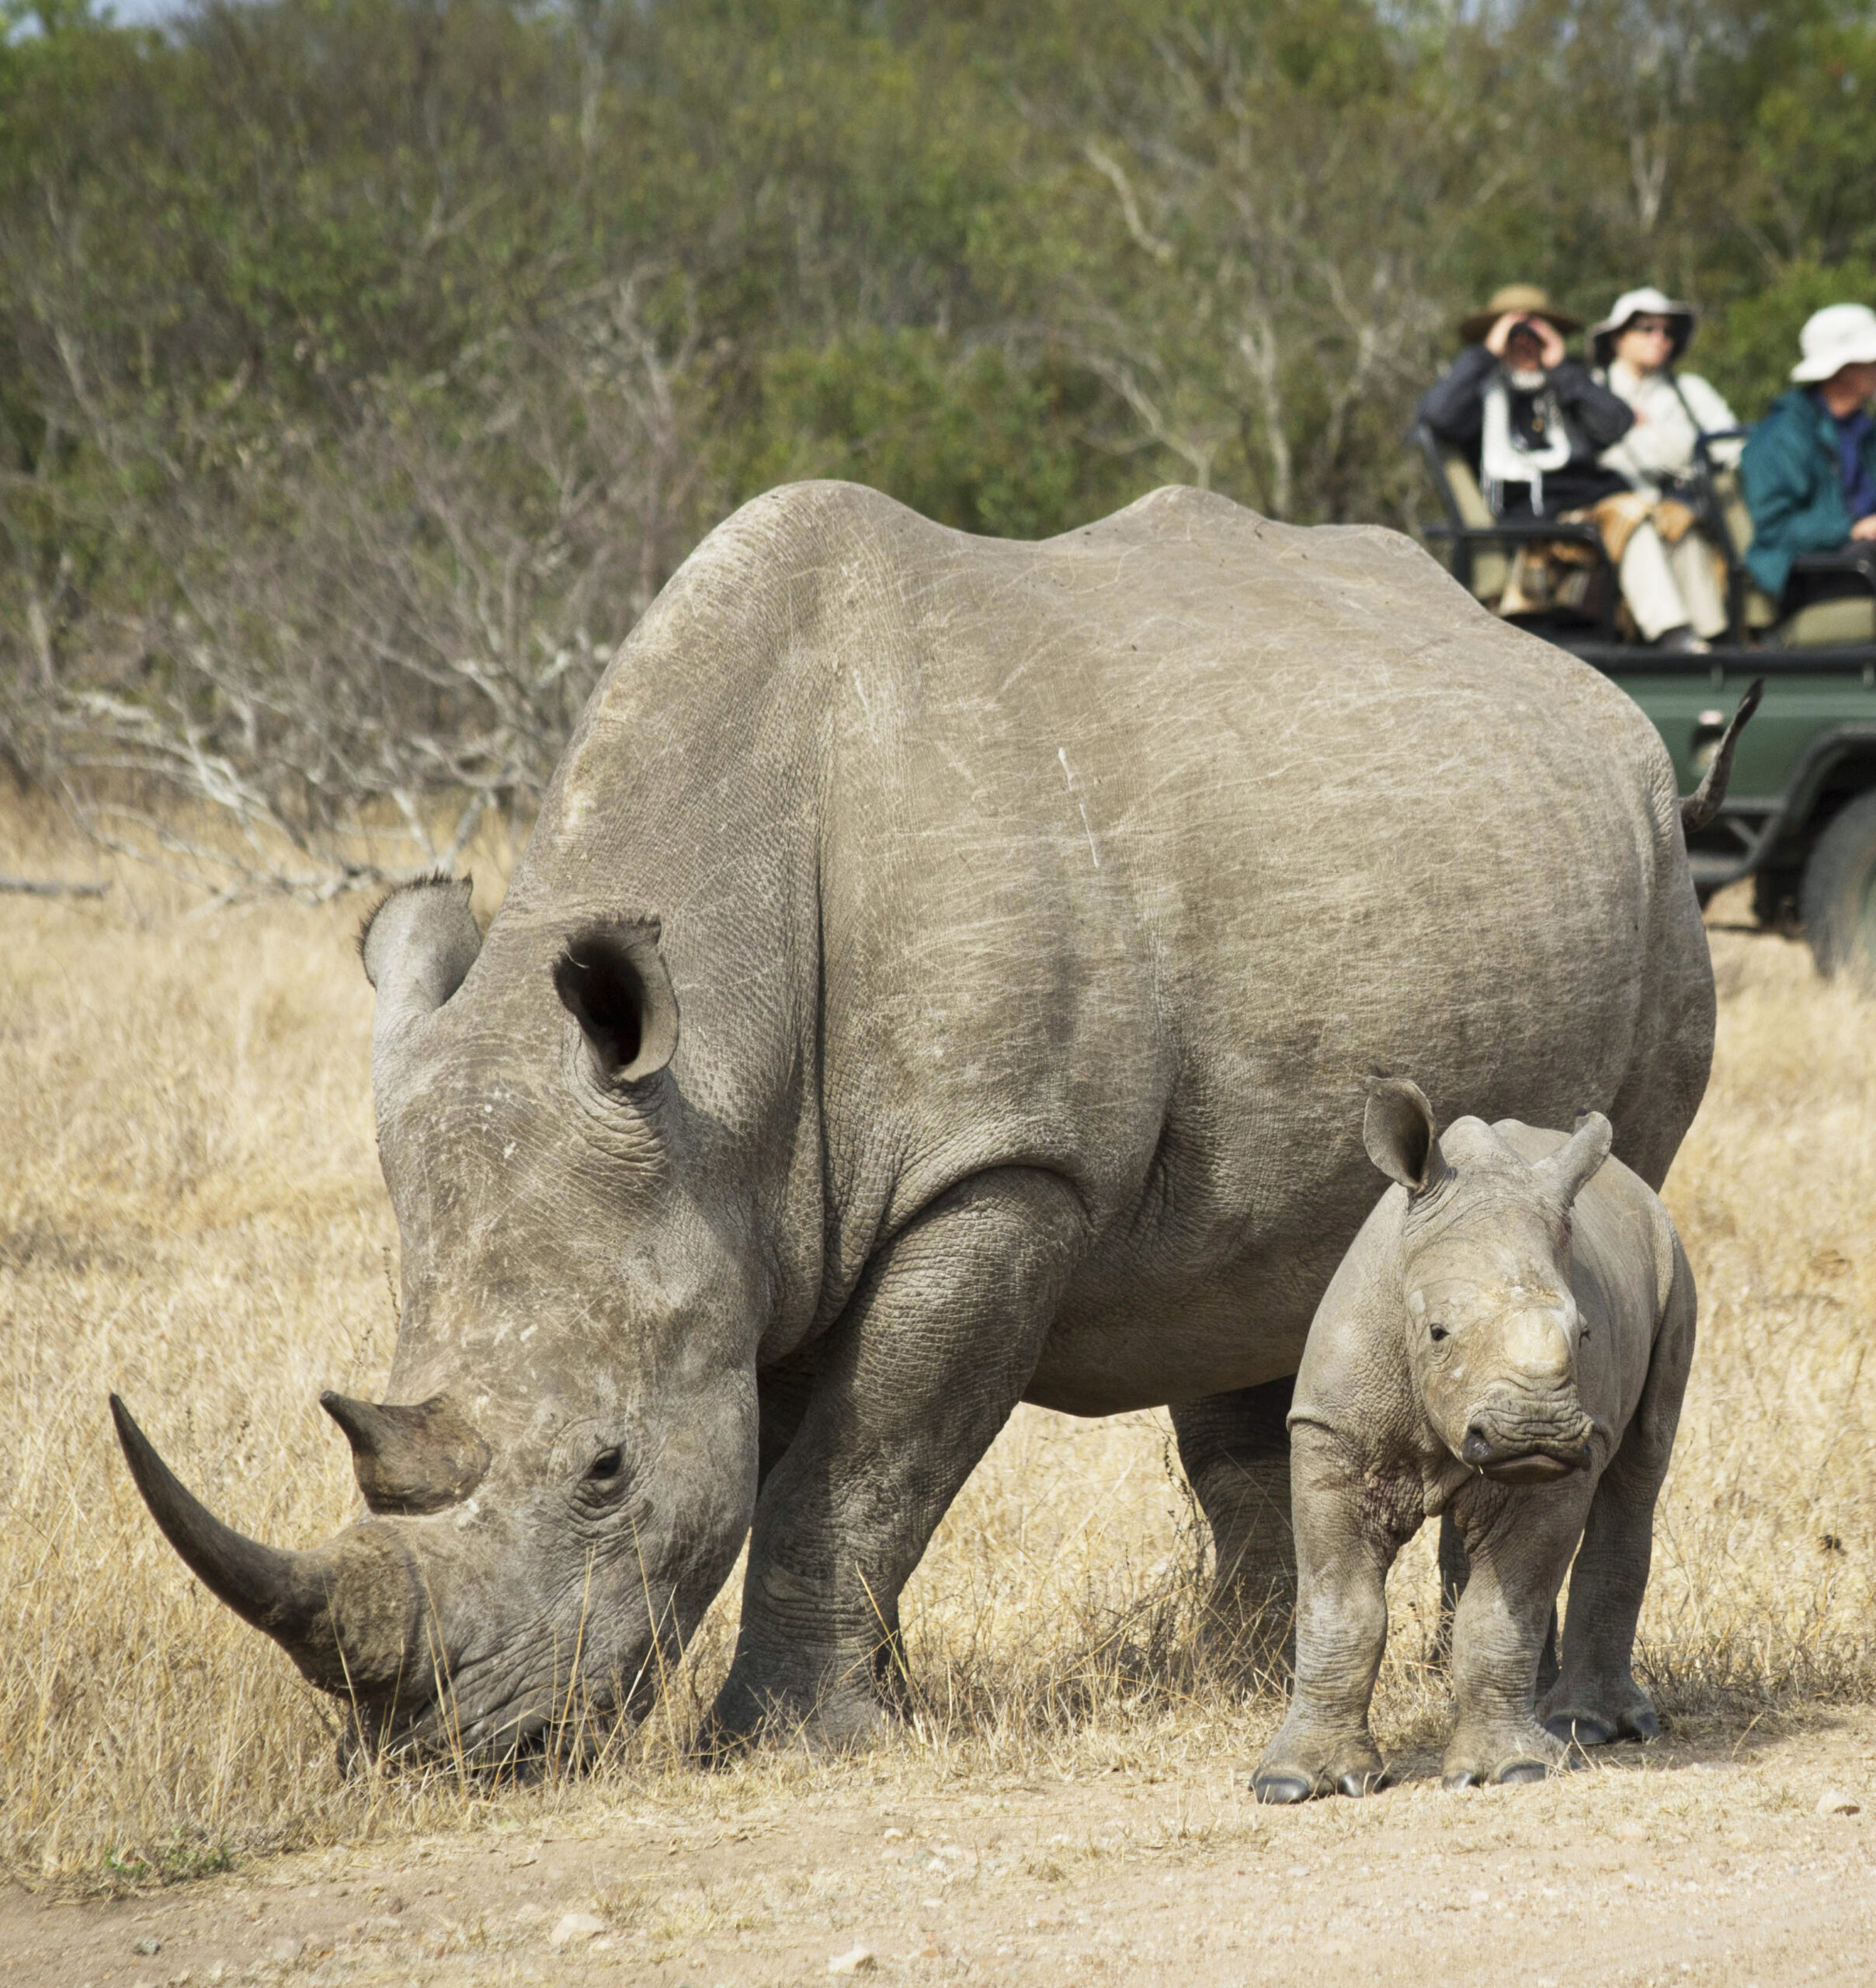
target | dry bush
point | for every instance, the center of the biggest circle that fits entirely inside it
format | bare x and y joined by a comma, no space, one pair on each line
336,630
191,1212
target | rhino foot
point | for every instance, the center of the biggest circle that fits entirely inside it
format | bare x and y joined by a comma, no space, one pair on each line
836,1716
1285,1786
1512,1771
1588,1728
1598,1717
720,1742
1295,1770
1497,1759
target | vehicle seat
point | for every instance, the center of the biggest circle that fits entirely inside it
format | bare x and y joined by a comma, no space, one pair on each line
1822,624
1761,609
1486,550
1491,568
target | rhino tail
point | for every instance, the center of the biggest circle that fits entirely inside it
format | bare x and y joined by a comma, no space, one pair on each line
1699,807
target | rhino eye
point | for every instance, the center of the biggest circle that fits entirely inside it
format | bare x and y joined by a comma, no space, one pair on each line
1436,1333
607,1463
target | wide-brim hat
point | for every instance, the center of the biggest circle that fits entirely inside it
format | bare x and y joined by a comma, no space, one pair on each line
1648,302
1525,298
1840,335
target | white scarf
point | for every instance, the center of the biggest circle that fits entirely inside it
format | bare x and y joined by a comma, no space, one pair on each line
1503,456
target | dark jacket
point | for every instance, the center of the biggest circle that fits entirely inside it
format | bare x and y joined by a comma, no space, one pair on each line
1593,418
1794,487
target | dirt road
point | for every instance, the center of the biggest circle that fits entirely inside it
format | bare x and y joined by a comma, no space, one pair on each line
1703,1859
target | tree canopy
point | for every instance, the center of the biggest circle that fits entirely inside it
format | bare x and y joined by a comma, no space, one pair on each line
366,365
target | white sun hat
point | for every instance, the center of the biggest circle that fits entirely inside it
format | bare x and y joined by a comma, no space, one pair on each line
1646,302
1840,335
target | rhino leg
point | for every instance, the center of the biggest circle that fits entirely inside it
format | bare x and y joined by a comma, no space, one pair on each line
1519,1547
924,1368
1597,1699
1235,1449
1343,1553
1453,1568
1672,1054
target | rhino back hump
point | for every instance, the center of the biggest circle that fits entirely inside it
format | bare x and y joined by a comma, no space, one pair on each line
1128,854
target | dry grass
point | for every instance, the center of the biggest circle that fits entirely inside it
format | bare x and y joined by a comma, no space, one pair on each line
190,1211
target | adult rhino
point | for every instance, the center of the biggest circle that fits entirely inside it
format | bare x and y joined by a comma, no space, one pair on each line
940,978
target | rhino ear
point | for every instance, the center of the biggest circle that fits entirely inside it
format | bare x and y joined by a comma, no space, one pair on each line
1575,1164
417,946
1399,1131
612,980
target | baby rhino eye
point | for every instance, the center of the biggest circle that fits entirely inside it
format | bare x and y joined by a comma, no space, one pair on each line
1436,1333
606,1463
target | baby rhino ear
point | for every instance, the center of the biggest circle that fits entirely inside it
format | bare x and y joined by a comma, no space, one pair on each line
1399,1130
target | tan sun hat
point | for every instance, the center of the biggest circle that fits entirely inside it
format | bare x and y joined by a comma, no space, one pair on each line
1646,302
1528,300
1840,335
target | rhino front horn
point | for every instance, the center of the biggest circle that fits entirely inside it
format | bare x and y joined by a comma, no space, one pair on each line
410,1460
344,1612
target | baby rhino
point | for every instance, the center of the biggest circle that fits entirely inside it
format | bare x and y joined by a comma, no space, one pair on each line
1506,1340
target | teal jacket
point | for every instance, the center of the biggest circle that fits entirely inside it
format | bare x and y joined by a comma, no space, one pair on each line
1794,487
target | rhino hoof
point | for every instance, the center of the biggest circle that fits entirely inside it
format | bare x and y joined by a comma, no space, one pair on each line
1642,1725
1283,1788
1522,1771
1583,1732
1359,1785
1465,1778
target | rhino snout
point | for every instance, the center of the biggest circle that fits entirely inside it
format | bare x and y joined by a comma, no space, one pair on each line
1525,1442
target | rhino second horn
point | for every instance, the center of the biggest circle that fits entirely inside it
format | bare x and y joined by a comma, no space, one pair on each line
410,1460
344,1612
1575,1163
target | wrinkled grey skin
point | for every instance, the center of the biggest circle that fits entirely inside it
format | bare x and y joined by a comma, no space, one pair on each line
1508,1341
939,978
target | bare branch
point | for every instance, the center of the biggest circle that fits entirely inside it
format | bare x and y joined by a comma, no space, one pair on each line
1111,169
48,886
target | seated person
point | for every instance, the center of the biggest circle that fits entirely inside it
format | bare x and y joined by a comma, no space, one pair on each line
1809,469
1637,349
1535,424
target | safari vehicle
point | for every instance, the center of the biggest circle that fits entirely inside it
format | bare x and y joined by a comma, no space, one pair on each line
1800,819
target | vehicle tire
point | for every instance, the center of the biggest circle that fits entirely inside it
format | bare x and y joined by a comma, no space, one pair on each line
1837,895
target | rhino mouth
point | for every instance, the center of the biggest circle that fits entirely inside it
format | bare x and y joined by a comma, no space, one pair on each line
1536,1467
1541,1462
528,1731
525,1742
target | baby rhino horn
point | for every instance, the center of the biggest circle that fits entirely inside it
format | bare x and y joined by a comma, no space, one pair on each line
410,1460
1575,1163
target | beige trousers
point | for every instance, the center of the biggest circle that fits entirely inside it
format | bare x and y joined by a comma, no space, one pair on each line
1671,586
